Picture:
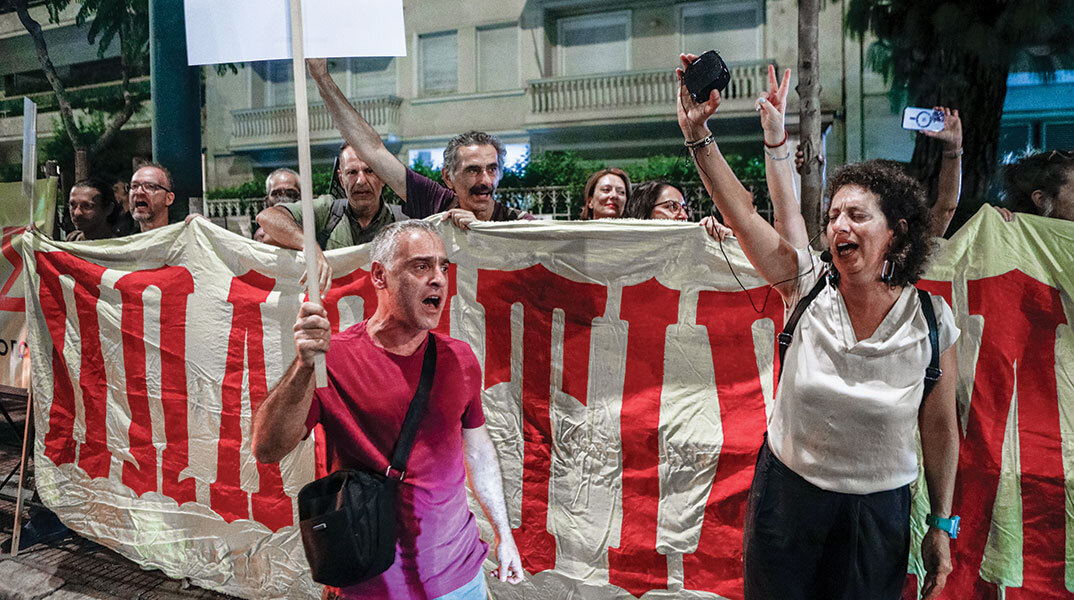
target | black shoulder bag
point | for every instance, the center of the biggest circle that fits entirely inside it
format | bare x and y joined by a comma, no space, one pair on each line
348,518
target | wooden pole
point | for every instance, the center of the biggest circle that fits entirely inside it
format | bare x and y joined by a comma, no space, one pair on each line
16,531
302,127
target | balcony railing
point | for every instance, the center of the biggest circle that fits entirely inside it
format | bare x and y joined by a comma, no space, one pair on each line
259,123
633,89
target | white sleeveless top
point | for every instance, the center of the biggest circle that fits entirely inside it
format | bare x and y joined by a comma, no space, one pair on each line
845,412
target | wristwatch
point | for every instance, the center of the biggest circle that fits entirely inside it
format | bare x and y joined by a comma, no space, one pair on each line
948,526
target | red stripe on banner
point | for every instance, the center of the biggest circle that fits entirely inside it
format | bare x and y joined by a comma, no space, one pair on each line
60,443
649,308
9,303
175,285
1020,315
269,506
540,292
716,566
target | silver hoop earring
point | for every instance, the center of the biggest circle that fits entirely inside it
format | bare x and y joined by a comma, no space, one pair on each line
888,271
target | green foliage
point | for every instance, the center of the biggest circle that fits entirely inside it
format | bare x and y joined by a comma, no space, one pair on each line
1036,35
112,161
110,20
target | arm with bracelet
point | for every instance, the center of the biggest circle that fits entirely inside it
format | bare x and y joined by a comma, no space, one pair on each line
950,184
786,211
773,257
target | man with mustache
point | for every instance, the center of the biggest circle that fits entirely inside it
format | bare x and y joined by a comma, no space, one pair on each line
473,164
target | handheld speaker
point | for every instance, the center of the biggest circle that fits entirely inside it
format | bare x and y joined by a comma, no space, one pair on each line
709,72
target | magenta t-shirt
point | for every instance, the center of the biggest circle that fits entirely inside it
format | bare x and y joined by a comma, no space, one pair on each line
362,411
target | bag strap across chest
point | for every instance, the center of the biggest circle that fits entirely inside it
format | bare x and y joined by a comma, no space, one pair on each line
414,413
932,372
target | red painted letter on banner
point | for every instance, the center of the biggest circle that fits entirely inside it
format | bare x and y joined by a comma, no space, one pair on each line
270,506
1021,315
649,308
540,292
716,566
93,456
175,285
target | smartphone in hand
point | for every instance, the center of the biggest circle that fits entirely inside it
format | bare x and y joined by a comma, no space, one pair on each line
922,119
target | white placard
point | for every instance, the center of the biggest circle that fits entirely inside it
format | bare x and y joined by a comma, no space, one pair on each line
221,31
29,147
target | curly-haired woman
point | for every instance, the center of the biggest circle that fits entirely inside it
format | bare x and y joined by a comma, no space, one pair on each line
828,514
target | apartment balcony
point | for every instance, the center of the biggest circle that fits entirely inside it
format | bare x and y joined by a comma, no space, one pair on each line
632,95
257,128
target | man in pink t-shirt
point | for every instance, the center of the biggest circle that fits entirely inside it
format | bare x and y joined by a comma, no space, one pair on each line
373,372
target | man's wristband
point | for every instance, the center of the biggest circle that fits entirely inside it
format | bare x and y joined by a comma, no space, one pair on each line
952,153
948,526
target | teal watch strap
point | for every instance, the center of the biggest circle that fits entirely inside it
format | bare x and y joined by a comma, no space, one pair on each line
948,526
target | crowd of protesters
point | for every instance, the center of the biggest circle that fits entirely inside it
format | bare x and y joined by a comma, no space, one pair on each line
803,534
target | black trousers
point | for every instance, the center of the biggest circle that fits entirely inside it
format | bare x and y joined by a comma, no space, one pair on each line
804,543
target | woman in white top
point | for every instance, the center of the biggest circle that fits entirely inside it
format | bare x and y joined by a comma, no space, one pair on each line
828,514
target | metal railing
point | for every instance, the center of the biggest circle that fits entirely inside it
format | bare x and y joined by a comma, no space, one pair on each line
633,89
382,111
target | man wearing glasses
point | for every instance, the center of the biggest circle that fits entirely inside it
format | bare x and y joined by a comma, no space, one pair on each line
150,196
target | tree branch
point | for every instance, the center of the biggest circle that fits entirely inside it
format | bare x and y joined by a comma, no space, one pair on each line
124,115
34,29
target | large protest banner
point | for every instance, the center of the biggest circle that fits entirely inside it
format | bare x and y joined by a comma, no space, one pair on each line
15,217
627,375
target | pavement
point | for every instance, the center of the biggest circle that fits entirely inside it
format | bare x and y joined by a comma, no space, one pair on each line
71,568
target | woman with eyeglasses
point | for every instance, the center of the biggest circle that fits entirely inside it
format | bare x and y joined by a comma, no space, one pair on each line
828,513
657,200
606,193
1041,184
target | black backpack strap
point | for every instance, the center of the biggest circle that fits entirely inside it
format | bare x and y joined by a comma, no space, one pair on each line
786,336
933,372
334,217
414,413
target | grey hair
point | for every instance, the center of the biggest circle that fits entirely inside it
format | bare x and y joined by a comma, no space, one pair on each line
471,138
386,243
268,180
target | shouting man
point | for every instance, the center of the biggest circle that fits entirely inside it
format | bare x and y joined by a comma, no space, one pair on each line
373,371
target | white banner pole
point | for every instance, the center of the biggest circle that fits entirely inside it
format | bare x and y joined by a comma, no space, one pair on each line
302,128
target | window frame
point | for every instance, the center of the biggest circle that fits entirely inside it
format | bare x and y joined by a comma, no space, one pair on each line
561,56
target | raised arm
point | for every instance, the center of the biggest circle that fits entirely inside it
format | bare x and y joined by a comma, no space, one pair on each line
786,211
356,130
950,184
772,256
938,422
287,233
483,468
279,422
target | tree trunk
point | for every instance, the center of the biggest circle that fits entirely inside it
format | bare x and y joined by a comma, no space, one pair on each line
34,29
82,166
810,119
977,89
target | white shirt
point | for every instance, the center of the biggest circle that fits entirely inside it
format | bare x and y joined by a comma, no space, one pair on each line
845,412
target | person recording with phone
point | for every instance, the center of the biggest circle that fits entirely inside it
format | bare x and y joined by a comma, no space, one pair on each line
868,361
